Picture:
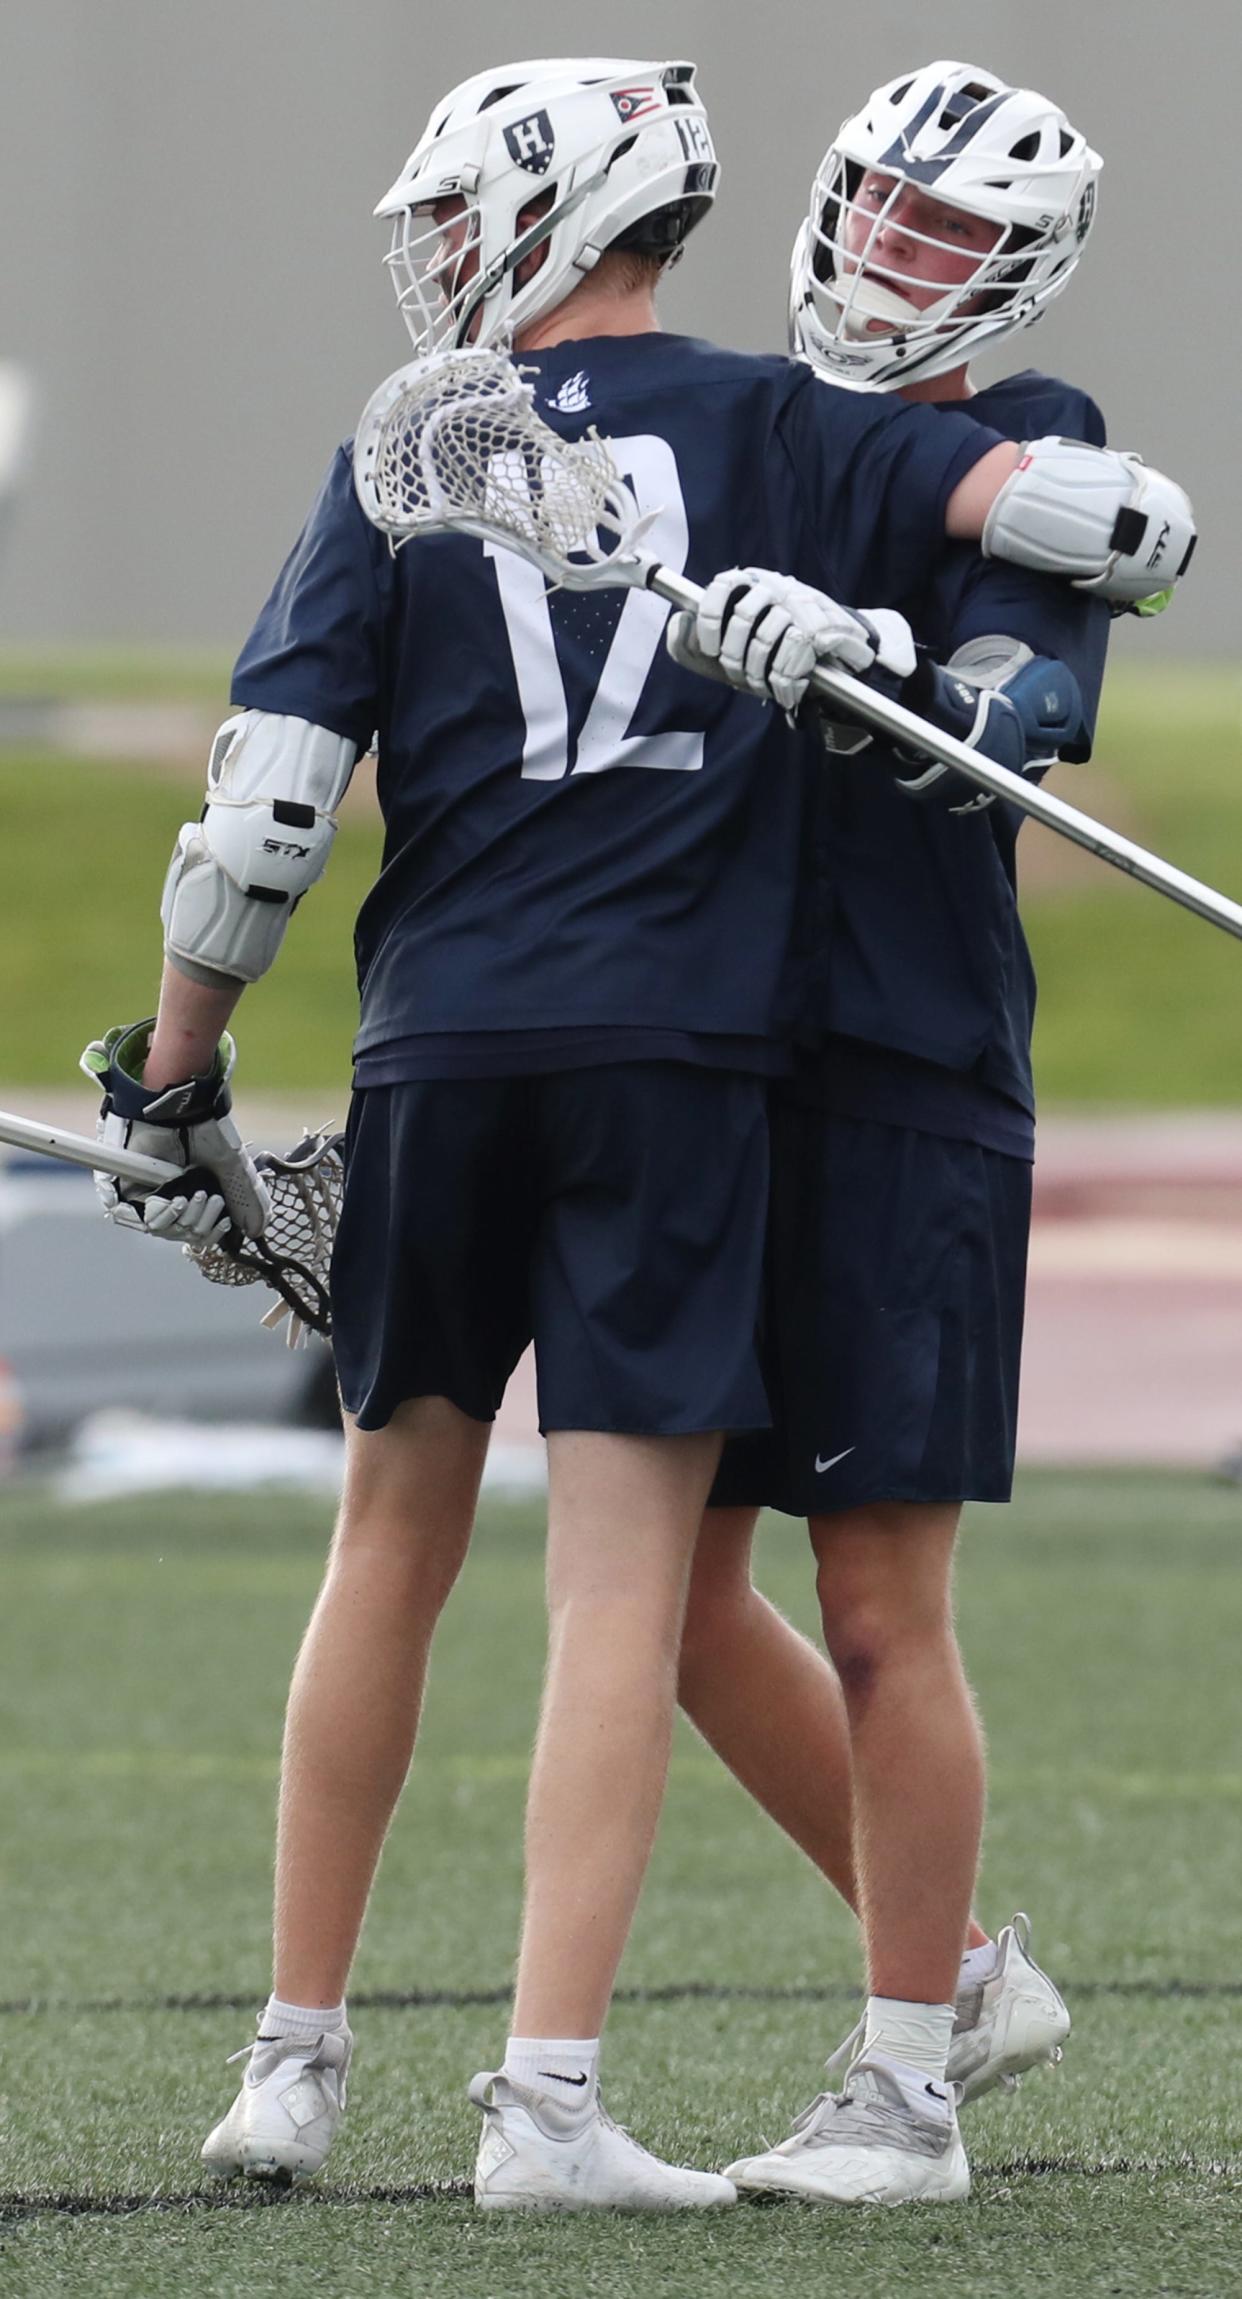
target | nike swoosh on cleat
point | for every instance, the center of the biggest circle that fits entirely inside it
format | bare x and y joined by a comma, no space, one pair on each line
579,2080
821,1466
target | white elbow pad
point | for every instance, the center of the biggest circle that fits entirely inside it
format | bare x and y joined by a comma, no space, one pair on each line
263,838
1101,518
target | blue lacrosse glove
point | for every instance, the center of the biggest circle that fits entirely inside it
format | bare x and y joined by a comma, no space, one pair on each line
1016,708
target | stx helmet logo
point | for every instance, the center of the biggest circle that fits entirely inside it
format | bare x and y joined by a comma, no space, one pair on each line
634,103
1086,211
531,143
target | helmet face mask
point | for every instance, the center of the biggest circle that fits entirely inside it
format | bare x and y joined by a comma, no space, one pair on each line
436,262
554,160
949,212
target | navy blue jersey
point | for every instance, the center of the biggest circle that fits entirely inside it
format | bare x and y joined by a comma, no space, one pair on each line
918,944
579,835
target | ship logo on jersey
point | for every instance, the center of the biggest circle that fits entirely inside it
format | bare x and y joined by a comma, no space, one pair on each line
574,396
531,143
635,103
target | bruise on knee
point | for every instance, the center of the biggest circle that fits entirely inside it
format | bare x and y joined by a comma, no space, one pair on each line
859,1663
861,1640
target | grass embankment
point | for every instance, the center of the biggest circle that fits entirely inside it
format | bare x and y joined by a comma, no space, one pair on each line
1138,1005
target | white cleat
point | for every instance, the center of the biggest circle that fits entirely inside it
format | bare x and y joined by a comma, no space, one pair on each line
536,2155
1008,2023
1012,2021
890,2136
284,2118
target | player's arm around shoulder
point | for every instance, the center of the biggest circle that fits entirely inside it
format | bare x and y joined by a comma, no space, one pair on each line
1085,513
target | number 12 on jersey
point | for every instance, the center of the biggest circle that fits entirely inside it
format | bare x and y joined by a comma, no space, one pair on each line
605,741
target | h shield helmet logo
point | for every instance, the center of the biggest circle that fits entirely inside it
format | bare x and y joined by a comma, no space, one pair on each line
531,143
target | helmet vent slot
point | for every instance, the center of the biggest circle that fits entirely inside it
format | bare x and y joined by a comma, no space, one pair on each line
1026,148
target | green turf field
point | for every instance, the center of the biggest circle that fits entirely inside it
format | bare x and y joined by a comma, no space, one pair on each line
1138,1000
144,1651
115,674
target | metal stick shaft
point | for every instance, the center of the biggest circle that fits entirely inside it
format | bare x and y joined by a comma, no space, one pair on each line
80,1149
893,719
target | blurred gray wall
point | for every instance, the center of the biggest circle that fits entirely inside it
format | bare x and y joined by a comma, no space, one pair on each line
188,248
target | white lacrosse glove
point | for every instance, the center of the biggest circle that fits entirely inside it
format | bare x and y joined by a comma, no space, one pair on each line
186,1125
765,633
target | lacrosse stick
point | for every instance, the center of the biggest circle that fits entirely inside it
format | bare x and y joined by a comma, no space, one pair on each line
293,1253
453,445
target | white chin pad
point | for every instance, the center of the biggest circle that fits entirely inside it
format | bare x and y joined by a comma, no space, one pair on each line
866,299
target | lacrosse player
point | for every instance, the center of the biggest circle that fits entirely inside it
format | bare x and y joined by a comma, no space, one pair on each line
946,214
574,988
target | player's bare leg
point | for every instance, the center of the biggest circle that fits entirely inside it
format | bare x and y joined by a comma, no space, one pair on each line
623,1516
766,1701
884,1575
405,1522
404,1525
885,1589
890,2135
769,1704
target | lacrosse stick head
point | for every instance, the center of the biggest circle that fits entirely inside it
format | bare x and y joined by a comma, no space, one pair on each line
295,1250
454,446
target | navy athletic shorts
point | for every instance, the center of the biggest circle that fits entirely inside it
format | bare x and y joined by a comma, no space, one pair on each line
892,1322
614,1215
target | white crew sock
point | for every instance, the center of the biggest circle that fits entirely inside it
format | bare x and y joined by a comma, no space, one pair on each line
564,2068
918,2035
978,1964
300,2021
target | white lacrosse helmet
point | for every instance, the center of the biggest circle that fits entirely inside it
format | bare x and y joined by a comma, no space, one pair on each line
968,141
613,153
